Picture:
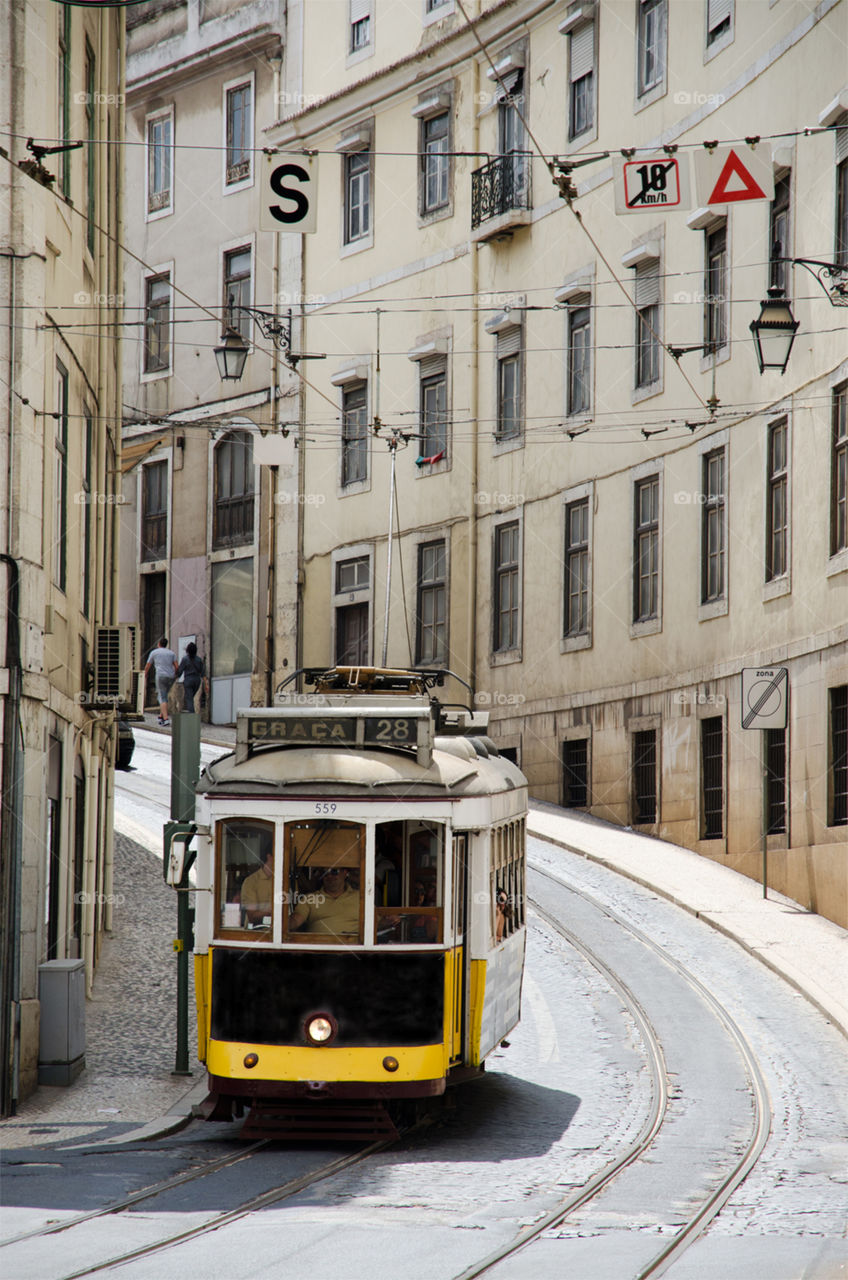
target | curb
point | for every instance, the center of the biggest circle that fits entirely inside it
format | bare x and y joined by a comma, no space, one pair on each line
180,1115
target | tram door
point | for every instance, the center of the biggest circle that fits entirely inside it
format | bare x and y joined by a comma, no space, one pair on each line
462,969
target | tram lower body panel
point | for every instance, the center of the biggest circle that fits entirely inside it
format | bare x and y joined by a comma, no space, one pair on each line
397,1025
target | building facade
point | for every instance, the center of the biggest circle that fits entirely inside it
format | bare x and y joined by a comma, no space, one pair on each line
599,536
61,79
209,530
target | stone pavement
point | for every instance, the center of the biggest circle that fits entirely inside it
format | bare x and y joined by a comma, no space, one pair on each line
131,1019
806,950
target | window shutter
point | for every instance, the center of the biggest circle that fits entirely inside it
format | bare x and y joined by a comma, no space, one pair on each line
717,12
359,9
582,51
509,342
431,366
647,284
842,140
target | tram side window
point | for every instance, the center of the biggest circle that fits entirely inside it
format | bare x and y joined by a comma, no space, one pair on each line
246,875
507,879
324,873
408,882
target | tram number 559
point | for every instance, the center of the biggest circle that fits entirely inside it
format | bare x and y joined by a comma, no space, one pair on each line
288,199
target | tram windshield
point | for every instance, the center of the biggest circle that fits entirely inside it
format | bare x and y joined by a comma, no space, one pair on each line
324,875
409,872
246,874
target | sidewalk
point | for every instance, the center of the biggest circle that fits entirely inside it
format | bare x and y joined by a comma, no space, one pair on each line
127,1092
804,949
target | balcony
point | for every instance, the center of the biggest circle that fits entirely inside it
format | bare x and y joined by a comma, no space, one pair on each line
500,196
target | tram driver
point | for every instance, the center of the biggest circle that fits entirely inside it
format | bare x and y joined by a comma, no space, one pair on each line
334,910
257,890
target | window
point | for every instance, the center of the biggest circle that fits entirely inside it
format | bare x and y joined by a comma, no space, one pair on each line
651,38
354,434
647,299
409,880
719,20
154,511
581,117
160,161
839,472
712,778
646,551
577,568
507,587
645,777
360,25
842,194
237,291
234,490
88,445
507,879
352,609
712,527
91,145
431,620
509,384
157,323
779,233
63,98
239,113
777,510
60,496
512,144
775,749
357,170
433,409
575,773
246,880
435,163
579,355
839,756
715,288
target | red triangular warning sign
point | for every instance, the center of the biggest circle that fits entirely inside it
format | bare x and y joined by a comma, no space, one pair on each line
750,189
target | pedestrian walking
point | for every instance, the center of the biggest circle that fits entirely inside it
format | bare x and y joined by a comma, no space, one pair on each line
164,662
193,672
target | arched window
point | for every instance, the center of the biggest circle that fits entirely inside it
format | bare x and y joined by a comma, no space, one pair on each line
234,492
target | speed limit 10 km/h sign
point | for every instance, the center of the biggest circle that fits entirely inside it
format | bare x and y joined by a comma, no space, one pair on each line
765,697
289,195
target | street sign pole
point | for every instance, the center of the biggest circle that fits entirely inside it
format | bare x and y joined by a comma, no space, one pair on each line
765,810
185,770
764,705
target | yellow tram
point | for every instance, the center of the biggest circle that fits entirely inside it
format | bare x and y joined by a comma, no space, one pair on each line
360,896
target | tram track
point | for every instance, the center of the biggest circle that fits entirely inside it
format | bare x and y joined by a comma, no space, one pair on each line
697,1221
255,1203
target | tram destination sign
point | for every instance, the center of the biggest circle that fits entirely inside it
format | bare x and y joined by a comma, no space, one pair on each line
409,728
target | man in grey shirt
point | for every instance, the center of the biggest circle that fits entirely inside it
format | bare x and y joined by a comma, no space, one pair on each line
164,660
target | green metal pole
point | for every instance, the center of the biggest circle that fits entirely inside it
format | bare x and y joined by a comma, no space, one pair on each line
185,770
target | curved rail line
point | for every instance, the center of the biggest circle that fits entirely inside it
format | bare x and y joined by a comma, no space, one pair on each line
145,1193
748,1158
261,1201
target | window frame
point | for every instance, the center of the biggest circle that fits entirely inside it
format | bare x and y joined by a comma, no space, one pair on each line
243,323
777,481
160,515
705,832
645,621
644,738
429,379
716,318
579,549
579,306
837,761
91,145
588,96
648,91
444,164
363,238
358,442
435,588
63,97
358,593
507,646
839,472
780,208
229,88
713,527
719,30
242,502
61,472
153,321
151,212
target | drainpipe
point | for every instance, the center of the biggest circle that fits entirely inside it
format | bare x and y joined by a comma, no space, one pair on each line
471,649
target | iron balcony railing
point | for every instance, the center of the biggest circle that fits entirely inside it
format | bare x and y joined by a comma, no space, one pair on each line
500,186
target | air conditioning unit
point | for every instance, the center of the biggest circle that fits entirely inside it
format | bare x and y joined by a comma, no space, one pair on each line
115,666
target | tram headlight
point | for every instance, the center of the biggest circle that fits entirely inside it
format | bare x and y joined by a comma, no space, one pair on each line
320,1028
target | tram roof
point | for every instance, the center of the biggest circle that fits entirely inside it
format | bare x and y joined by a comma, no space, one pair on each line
460,766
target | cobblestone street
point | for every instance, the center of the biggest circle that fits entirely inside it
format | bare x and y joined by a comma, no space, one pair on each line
130,1020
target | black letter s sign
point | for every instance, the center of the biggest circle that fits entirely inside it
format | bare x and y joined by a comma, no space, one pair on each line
301,203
